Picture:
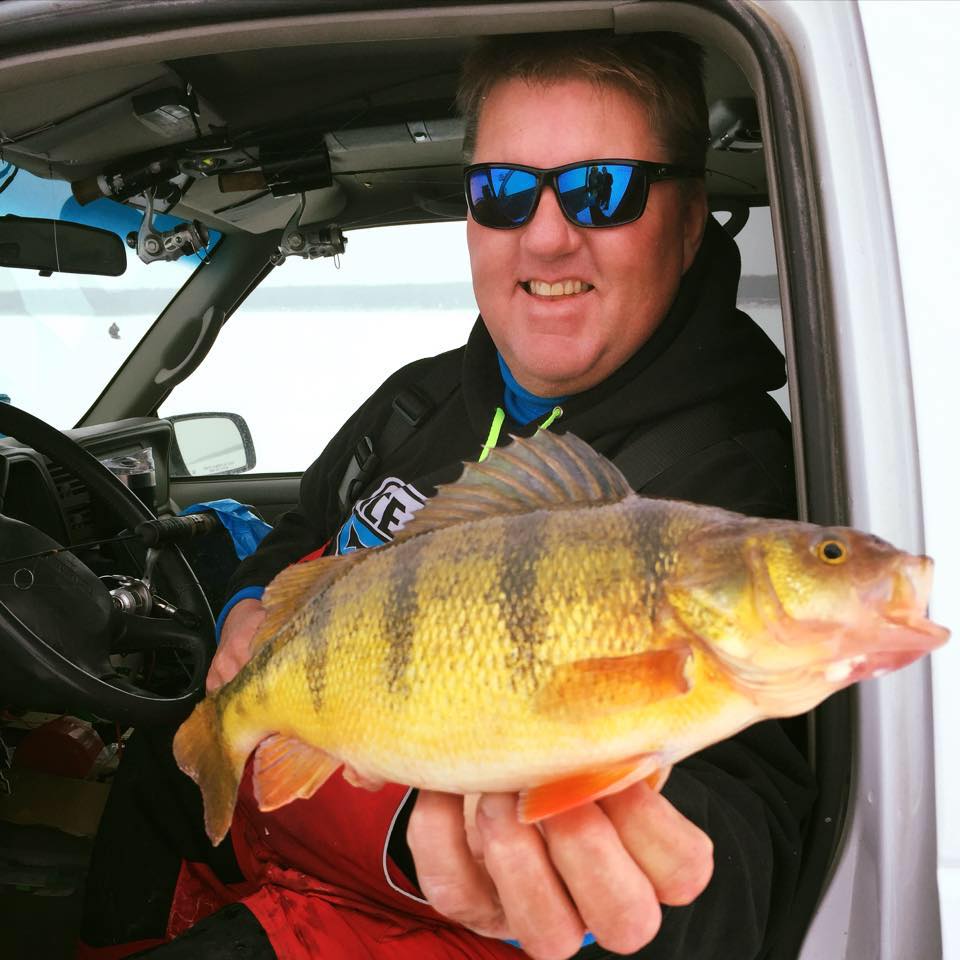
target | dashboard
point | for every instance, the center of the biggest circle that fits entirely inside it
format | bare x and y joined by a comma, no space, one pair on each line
46,495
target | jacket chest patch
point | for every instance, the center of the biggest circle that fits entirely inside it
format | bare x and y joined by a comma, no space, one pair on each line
379,517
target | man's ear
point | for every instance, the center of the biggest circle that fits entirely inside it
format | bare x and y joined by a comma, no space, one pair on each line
694,219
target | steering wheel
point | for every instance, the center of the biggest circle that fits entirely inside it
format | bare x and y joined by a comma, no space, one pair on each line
58,622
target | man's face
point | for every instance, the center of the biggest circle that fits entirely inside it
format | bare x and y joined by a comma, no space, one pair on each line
627,276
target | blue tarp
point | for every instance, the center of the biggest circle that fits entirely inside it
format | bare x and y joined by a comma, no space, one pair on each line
245,528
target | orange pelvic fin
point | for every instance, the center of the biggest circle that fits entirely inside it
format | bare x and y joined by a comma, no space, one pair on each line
286,769
560,795
606,685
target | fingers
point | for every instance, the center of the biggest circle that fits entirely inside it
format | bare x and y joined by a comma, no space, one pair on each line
220,670
614,896
604,866
235,636
451,878
675,854
536,905
470,802
616,860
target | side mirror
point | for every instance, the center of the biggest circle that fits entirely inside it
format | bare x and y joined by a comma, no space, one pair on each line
211,444
59,246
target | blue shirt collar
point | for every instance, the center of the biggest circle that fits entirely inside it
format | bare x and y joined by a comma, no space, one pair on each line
521,405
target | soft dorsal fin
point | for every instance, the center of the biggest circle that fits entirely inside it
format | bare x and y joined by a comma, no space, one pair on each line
293,587
542,472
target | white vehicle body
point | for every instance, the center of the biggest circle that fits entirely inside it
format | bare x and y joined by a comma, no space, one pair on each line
878,84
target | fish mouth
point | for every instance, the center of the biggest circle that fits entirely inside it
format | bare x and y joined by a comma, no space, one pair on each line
914,636
899,633
879,664
905,612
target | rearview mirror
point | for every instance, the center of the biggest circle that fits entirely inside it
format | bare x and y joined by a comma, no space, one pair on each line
211,444
59,246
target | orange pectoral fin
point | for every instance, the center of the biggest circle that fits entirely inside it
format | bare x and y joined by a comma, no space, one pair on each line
552,798
605,685
286,769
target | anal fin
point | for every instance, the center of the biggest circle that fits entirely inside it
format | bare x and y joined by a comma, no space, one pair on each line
557,796
656,780
286,769
357,779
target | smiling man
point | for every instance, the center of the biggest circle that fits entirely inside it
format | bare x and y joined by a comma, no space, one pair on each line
568,303
608,309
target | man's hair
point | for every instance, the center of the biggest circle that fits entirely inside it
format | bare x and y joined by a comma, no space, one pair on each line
663,71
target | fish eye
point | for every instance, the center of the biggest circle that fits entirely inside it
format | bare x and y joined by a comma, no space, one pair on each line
831,551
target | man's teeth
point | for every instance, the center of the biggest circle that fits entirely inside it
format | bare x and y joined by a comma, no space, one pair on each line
562,288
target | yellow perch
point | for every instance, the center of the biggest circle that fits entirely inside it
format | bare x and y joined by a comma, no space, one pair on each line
538,627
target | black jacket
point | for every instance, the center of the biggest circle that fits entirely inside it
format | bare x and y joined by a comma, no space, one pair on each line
751,793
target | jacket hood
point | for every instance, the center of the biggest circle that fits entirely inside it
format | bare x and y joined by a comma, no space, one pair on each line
704,349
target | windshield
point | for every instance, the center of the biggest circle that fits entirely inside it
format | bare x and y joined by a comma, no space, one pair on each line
63,336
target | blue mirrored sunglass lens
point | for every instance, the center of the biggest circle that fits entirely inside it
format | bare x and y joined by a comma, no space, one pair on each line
606,193
502,195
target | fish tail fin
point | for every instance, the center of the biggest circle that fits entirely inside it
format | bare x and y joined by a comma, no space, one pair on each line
202,753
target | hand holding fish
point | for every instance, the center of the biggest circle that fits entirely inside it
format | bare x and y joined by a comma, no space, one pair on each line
233,650
604,866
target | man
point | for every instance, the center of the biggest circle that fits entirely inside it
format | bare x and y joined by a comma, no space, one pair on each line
617,324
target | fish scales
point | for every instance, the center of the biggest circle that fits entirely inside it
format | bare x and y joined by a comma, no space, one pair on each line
482,617
401,611
597,575
470,690
522,600
589,580
365,631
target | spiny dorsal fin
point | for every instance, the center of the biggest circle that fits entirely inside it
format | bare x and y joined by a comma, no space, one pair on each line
543,472
293,588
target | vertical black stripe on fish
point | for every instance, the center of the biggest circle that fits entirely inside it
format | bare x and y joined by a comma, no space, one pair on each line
400,608
316,666
279,654
251,680
220,706
258,678
524,613
647,530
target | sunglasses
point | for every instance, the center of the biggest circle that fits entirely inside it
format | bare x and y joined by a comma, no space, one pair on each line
592,193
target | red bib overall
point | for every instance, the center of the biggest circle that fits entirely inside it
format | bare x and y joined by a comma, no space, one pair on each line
322,885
